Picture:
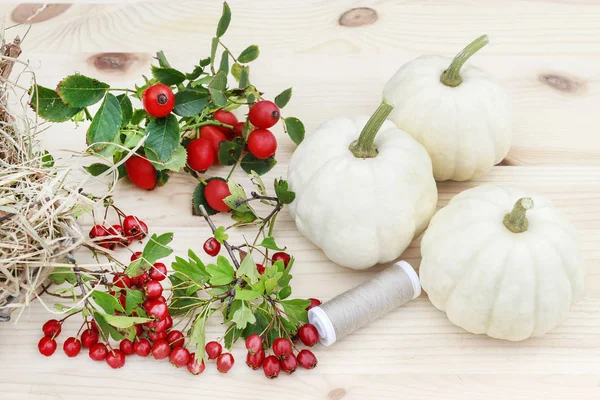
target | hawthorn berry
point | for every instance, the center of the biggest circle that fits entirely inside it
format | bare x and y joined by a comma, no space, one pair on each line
281,256
47,346
141,172
136,255
214,193
72,346
159,326
126,347
264,114
168,320
175,338
158,272
121,280
89,337
308,334
51,328
157,309
153,289
271,367
254,343
158,100
200,154
227,118
139,329
262,143
140,279
255,361
194,366
225,362
161,349
282,347
142,347
179,357
98,352
289,364
156,336
213,349
214,137
306,359
121,240
260,268
94,325
115,359
135,227
98,231
212,247
313,303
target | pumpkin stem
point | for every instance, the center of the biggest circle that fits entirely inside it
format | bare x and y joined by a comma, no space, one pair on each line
364,147
516,220
451,76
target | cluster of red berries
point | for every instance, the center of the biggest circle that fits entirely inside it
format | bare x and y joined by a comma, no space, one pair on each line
214,351
123,234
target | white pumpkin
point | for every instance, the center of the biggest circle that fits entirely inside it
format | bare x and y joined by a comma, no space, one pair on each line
361,201
507,274
460,115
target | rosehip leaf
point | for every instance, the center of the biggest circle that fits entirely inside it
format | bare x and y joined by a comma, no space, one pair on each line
249,54
168,76
213,50
231,336
218,98
230,151
283,98
236,199
189,103
195,74
236,71
224,66
81,91
243,218
138,116
126,108
244,77
48,105
198,199
175,163
97,169
190,270
261,166
294,128
163,136
224,20
105,124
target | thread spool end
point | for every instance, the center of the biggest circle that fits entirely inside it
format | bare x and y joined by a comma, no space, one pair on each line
412,275
321,321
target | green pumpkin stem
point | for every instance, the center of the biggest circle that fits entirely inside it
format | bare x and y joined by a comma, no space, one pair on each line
364,146
451,76
516,220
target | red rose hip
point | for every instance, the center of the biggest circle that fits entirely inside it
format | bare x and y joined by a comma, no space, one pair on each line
142,347
227,118
175,339
135,227
200,154
281,256
313,303
262,143
141,172
161,349
158,100
153,289
264,114
214,137
158,271
214,193
126,346
89,337
194,366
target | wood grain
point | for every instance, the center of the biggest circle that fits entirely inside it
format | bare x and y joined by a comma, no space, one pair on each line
547,55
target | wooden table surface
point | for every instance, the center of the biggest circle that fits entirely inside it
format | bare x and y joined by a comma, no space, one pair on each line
546,53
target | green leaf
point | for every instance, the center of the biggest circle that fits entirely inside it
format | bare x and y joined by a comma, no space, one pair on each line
295,129
284,195
283,98
205,61
260,326
218,97
243,316
137,117
230,151
270,285
261,166
246,294
48,104
236,71
224,20
269,243
193,269
213,50
134,299
155,249
219,81
249,54
81,91
195,74
242,217
285,292
122,322
244,77
296,309
61,275
163,137
224,66
168,76
175,163
220,234
222,273
106,123
248,269
231,336
237,197
107,302
189,103
198,199
126,108
162,177
198,336
97,169
46,158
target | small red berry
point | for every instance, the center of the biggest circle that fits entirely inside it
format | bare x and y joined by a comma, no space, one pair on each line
214,193
168,320
281,256
115,359
139,329
158,272
225,362
140,279
282,347
161,349
260,268
153,289
51,328
179,357
94,325
159,326
214,136
121,240
158,100
142,347
98,352
264,114
213,349
306,359
308,334
122,281
262,143
212,247
238,129
89,337
72,347
141,172
254,343
313,303
136,255
200,154
98,231
271,367
175,338
194,366
255,361
156,336
227,118
126,347
47,346
135,227
158,309
289,364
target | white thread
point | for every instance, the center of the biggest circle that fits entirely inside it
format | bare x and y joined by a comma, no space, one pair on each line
355,308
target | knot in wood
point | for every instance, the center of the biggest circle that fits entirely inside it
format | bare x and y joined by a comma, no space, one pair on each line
358,17
37,12
561,83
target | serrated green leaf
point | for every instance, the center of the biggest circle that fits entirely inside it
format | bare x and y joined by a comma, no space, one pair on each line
231,336
243,316
230,151
122,322
284,195
285,292
195,74
295,129
97,169
198,199
193,270
168,76
243,217
270,285
221,235
81,91
175,163
218,98
269,243
162,137
213,50
221,273
248,269
155,249
219,82
296,309
249,54
137,117
224,20
106,123
246,294
236,71
107,302
61,275
261,166
133,299
48,105
224,66
189,103
126,108
244,77
283,98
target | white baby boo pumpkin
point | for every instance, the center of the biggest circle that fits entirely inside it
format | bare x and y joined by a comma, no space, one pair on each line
510,276
361,201
459,114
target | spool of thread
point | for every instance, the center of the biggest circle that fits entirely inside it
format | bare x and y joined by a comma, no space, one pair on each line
357,307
